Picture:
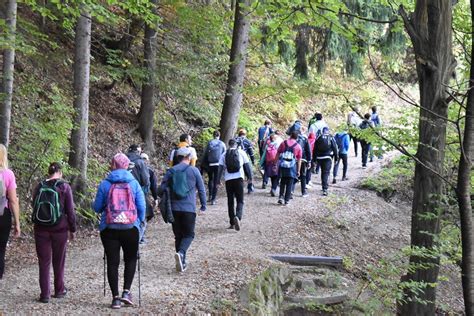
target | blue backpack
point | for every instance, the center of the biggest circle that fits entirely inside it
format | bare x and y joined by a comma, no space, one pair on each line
287,158
339,138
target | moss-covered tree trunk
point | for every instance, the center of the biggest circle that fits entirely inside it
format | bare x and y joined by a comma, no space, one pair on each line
430,32
238,58
301,46
6,90
464,191
79,135
147,107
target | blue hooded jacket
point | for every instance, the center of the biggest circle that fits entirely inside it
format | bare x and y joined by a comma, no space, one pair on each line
345,142
119,176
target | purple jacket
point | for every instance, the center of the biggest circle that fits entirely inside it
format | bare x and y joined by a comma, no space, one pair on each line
68,219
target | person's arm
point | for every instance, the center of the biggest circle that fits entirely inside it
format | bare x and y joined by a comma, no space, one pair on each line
69,209
145,175
100,199
140,202
347,142
164,183
307,151
250,152
15,208
248,171
201,189
335,149
153,184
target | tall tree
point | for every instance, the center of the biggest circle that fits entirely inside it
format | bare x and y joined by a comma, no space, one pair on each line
238,58
302,48
79,135
429,28
6,89
147,108
464,190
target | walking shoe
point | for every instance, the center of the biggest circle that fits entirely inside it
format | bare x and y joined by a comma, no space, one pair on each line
286,203
325,192
116,303
371,160
364,166
237,223
43,300
231,227
305,195
280,201
264,186
213,202
334,181
178,261
345,178
185,267
250,188
272,193
60,295
309,185
127,297
143,241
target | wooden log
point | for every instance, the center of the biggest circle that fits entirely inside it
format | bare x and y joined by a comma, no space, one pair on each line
302,260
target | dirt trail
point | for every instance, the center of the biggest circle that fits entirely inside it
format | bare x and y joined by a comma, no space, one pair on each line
349,222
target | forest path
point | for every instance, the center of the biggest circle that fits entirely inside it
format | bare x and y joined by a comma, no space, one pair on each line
350,222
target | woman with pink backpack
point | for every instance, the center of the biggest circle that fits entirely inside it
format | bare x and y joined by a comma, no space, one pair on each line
269,163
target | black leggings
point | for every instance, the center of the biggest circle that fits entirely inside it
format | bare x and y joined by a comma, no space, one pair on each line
5,228
113,240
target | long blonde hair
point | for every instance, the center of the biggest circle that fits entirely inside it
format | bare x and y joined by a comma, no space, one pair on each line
3,157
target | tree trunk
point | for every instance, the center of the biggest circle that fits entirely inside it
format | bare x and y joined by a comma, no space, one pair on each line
238,58
430,32
6,92
301,45
147,107
79,135
464,191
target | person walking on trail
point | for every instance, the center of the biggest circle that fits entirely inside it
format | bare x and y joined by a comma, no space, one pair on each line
376,122
235,165
210,162
353,122
138,168
121,203
185,140
54,223
295,127
305,161
311,141
269,163
150,205
182,180
263,133
318,125
289,155
9,206
246,145
364,143
325,149
343,142
312,120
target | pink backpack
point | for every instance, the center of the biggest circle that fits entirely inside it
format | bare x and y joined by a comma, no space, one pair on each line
271,154
121,208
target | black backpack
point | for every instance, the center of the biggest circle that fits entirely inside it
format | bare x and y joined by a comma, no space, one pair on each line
323,143
46,207
232,160
364,125
213,152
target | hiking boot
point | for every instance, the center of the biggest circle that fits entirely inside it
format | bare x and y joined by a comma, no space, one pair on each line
364,166
286,203
116,303
334,181
178,261
60,295
231,227
280,201
43,300
325,192
127,297
250,188
264,186
143,241
345,178
237,223
272,193
213,202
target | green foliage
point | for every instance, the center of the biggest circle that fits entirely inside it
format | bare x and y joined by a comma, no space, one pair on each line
42,132
393,178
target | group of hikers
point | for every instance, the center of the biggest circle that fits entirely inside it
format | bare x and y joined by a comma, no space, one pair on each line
125,199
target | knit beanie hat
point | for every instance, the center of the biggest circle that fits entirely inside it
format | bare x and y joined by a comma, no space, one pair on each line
120,161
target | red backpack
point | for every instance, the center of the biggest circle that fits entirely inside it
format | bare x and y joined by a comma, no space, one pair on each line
271,152
121,208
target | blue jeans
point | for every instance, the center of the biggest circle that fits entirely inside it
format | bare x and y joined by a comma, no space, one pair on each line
183,229
342,157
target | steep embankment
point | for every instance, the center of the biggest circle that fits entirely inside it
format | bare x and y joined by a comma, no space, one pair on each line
349,222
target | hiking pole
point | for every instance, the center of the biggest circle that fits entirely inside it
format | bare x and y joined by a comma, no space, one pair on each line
104,272
139,281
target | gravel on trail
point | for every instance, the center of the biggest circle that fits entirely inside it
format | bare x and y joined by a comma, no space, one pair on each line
353,223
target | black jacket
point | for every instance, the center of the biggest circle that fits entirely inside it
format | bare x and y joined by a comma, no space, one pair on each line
142,175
